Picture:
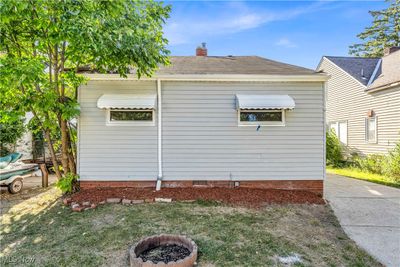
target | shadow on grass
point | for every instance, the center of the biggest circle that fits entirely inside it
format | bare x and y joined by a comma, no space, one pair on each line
52,235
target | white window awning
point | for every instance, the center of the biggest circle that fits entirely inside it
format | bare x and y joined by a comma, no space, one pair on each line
125,101
264,102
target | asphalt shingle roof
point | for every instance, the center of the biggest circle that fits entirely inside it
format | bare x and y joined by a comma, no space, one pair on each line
389,72
230,65
360,68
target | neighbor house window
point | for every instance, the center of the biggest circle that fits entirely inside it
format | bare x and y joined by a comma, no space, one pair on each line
371,129
130,117
262,117
340,129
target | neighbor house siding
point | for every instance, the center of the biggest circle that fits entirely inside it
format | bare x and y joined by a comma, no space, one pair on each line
202,139
114,152
348,101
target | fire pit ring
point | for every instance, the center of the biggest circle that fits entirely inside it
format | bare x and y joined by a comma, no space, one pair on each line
156,241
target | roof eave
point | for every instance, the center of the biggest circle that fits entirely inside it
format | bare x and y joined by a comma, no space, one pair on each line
382,87
317,77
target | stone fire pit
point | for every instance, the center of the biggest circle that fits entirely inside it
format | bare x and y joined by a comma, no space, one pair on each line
163,250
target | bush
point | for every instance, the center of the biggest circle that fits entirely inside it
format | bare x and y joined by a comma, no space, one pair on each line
10,131
388,165
334,155
68,184
392,163
372,163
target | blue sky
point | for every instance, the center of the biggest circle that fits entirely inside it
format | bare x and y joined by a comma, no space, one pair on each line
296,32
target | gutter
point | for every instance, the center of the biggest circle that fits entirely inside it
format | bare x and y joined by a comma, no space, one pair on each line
382,87
159,135
317,77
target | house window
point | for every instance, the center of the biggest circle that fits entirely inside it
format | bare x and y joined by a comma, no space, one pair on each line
340,129
262,117
371,129
130,117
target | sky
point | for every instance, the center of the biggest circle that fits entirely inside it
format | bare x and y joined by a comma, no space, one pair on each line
295,32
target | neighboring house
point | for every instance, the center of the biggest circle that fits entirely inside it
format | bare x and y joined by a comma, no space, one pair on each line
32,147
204,121
363,101
24,145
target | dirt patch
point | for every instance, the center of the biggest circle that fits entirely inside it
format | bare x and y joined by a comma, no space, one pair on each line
165,253
240,196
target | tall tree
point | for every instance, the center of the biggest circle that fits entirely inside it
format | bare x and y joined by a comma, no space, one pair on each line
44,42
384,32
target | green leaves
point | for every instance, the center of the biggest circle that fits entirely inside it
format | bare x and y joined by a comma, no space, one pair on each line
44,42
11,129
67,183
384,32
334,155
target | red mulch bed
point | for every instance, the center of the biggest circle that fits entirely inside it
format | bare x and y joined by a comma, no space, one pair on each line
239,196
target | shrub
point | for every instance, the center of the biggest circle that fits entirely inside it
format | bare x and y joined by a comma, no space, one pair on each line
372,163
334,155
10,131
68,184
392,163
388,165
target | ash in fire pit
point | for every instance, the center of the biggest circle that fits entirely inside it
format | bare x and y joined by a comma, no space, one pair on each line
165,253
163,250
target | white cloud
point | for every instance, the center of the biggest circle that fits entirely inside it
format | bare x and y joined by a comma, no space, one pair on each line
285,42
230,18
179,32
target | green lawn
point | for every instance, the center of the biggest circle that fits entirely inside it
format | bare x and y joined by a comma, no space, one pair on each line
370,177
40,231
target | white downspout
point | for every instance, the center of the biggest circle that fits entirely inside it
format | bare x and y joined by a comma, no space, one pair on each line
159,135
324,98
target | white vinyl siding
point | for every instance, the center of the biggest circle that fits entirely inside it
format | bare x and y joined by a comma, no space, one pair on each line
119,152
347,101
201,138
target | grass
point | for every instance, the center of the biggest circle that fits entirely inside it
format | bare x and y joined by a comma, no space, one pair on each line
366,176
40,231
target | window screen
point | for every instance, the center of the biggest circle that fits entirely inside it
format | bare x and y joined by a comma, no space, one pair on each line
131,115
371,129
252,116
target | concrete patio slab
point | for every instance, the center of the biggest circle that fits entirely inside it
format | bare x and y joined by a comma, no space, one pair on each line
369,214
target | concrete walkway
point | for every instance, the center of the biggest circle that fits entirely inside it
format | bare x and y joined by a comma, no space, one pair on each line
369,214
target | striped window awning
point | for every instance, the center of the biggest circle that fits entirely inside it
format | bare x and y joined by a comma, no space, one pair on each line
264,102
127,101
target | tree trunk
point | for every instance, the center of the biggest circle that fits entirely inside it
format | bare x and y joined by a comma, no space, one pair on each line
72,152
71,163
64,146
53,154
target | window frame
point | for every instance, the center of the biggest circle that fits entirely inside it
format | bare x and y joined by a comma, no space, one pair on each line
339,132
130,123
262,123
375,141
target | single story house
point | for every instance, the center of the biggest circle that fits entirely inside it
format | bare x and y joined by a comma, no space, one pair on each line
204,121
363,101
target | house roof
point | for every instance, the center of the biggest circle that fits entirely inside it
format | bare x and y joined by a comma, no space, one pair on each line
230,65
388,73
359,68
